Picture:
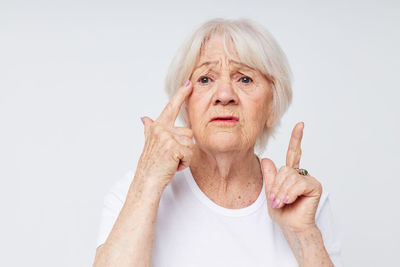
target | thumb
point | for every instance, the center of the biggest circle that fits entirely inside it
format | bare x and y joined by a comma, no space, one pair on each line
269,173
146,122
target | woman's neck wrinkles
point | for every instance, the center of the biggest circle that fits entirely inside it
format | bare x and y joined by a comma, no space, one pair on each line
226,173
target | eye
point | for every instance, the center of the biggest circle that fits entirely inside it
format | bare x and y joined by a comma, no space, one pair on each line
204,79
246,79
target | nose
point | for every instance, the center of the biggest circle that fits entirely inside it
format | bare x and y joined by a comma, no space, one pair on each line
225,93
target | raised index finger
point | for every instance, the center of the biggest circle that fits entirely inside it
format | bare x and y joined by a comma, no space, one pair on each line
171,110
294,151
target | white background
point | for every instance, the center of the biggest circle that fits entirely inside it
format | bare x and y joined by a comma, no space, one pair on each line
76,76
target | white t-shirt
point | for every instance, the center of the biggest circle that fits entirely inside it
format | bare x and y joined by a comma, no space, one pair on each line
192,230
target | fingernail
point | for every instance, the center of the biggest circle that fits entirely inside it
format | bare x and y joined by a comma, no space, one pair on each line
271,197
285,200
276,203
141,118
187,83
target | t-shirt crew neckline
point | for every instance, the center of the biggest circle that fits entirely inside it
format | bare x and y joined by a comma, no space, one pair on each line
217,208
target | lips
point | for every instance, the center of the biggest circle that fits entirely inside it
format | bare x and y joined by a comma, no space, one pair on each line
225,118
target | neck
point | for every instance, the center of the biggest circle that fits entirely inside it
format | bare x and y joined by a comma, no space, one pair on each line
226,173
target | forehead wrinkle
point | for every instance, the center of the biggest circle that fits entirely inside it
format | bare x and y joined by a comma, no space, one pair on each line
231,61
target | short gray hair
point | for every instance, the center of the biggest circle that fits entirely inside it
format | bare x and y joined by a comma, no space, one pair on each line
255,46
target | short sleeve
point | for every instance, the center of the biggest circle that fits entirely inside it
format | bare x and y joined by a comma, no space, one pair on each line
325,223
113,202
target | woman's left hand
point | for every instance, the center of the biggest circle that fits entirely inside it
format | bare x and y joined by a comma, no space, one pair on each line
292,198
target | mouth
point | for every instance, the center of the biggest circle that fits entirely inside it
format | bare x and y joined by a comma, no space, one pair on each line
225,119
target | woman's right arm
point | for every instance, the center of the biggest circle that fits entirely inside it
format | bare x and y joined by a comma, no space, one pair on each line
130,242
167,149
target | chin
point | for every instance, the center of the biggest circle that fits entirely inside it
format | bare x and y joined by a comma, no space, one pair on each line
223,143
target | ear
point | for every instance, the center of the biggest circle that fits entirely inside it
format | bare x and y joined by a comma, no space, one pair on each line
270,120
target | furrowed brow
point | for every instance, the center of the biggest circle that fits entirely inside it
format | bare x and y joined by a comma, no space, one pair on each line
241,64
208,63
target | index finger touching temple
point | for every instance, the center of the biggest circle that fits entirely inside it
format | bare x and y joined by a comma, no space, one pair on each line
171,110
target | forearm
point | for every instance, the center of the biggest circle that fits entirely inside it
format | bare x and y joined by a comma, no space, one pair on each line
130,242
308,247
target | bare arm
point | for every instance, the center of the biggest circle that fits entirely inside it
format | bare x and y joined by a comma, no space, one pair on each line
293,199
167,149
308,247
130,242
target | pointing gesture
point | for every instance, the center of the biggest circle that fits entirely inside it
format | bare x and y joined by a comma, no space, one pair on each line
167,148
292,197
294,151
170,113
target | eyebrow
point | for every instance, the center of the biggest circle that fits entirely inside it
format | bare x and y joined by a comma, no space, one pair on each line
207,63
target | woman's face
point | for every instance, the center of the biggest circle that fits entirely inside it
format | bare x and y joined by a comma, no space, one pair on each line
224,88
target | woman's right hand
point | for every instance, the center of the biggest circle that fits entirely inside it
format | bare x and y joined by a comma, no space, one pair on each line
167,148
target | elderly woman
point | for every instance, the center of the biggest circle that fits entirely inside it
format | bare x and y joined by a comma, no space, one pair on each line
200,194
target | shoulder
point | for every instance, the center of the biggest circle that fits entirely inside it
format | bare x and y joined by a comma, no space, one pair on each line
119,189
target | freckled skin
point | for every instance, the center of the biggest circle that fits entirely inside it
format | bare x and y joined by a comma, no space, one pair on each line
227,88
246,101
227,169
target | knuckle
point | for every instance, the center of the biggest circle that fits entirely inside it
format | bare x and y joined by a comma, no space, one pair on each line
187,143
169,106
318,185
303,183
156,128
295,176
164,137
188,132
170,143
275,187
313,179
290,197
282,168
184,138
293,171
176,155
291,179
281,194
181,139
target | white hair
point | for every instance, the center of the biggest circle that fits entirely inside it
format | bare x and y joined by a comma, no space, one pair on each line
255,46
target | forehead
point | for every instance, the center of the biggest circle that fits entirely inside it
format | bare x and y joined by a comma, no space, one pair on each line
214,47
213,52
209,63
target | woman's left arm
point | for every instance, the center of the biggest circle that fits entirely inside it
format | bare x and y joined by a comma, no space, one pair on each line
308,247
293,200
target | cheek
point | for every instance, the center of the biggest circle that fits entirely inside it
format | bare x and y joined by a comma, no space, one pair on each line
256,113
199,99
196,107
201,93
201,89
